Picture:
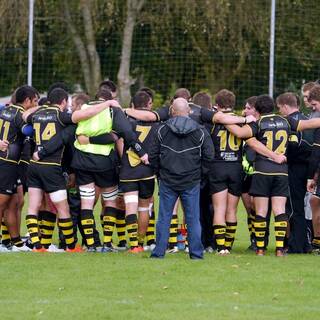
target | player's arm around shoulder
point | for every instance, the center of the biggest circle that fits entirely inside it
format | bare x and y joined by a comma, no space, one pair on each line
86,113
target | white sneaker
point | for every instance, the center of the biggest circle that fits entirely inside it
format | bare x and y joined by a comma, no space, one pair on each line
208,250
186,250
173,250
54,249
220,253
4,249
149,248
24,248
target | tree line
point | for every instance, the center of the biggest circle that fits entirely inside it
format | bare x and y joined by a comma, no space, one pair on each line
163,44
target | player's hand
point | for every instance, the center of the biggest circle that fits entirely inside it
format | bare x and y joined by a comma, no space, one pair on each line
311,185
35,156
250,119
279,158
82,139
71,181
114,103
145,159
4,145
115,137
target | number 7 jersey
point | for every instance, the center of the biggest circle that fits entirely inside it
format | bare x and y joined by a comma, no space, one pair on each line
132,169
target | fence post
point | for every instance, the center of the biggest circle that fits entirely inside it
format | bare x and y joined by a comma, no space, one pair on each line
272,37
30,44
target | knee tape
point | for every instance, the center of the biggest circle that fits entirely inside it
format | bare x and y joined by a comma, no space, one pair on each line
58,196
110,195
132,198
87,193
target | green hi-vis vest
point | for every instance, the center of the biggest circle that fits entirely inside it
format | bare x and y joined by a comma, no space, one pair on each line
99,124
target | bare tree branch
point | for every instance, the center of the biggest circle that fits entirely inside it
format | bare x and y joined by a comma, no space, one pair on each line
124,79
81,49
91,43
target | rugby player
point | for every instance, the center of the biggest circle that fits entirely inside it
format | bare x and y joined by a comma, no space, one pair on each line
45,175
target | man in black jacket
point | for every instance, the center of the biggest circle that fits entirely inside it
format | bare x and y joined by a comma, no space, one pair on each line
178,150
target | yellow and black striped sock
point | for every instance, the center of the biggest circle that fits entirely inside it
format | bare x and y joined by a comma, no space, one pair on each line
150,235
260,227
231,228
48,222
16,241
66,226
173,241
316,242
280,230
250,220
109,224
132,229
220,236
141,240
121,226
33,229
87,223
5,238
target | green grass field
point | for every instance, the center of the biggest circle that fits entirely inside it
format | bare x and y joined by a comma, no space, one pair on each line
124,286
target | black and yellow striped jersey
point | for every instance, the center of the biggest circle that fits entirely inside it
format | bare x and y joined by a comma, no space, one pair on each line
47,122
11,124
227,147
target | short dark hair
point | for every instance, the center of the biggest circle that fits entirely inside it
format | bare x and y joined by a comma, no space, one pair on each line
148,91
141,100
288,98
25,92
264,104
104,93
202,99
43,101
182,93
56,96
225,99
108,84
251,101
60,85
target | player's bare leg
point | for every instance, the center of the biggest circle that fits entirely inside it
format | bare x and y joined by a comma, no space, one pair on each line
131,201
109,217
280,223
143,219
219,201
260,223
35,199
231,220
315,207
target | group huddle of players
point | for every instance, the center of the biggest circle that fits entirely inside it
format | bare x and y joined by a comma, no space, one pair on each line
69,153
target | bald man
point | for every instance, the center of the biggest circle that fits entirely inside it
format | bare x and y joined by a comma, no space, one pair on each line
176,154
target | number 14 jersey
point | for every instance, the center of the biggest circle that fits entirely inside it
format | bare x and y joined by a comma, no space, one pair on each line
48,121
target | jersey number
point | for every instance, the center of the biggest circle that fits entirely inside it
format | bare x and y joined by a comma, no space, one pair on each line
233,142
144,131
5,125
281,136
48,132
